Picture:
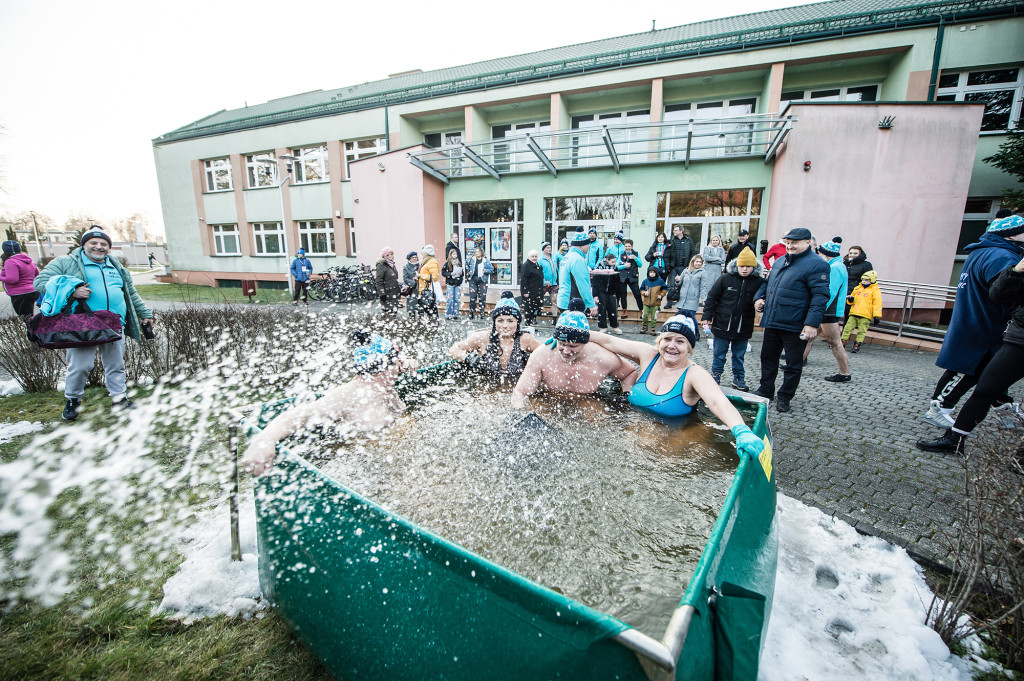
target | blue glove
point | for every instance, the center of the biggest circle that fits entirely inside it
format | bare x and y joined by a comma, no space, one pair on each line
746,442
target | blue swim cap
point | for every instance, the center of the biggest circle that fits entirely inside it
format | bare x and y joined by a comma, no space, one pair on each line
572,326
374,354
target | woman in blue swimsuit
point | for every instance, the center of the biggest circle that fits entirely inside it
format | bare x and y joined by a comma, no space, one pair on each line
671,384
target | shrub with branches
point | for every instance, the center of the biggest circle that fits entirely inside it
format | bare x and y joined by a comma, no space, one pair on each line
34,369
987,548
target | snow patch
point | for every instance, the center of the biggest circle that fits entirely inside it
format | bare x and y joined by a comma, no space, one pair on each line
9,431
11,387
209,583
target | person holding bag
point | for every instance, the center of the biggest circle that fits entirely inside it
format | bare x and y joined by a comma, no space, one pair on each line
429,286
89,274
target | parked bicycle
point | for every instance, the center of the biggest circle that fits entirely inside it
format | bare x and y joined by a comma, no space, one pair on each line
344,284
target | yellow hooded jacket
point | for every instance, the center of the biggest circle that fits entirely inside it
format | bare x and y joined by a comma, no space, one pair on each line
867,302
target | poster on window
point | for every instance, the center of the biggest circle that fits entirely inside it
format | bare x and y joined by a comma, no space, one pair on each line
501,244
502,273
474,240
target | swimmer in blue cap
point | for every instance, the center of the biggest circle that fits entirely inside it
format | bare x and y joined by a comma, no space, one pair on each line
367,403
569,363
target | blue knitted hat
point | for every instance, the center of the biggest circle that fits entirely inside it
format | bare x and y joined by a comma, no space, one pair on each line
545,245
831,248
372,353
579,238
411,254
572,326
507,305
684,324
1007,227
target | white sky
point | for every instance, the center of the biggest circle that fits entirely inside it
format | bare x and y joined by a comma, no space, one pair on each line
85,87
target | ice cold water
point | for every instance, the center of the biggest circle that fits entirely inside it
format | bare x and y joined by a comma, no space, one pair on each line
589,497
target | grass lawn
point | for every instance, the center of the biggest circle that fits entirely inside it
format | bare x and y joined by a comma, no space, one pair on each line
120,639
190,293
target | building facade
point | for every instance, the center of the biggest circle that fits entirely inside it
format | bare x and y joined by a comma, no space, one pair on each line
867,119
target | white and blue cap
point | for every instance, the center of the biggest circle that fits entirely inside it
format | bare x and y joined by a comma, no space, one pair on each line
579,238
620,236
507,305
831,248
95,232
572,325
372,353
684,324
1011,225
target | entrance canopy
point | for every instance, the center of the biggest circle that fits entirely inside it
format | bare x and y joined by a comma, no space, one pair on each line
609,146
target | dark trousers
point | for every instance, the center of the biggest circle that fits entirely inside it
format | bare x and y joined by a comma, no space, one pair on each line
952,386
606,310
301,287
23,303
1005,369
532,307
777,341
624,288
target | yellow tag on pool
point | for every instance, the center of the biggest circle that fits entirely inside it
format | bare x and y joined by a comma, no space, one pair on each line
766,459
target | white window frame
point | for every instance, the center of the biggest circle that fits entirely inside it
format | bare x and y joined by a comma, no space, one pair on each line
220,233
310,158
354,152
737,133
260,231
961,90
217,169
844,91
351,224
311,228
506,155
254,163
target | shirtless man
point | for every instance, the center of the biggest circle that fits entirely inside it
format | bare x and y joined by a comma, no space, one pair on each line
367,403
573,365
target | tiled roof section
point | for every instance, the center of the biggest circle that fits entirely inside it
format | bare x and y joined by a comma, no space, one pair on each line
746,31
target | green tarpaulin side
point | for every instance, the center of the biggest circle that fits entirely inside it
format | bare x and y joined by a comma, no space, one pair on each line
376,597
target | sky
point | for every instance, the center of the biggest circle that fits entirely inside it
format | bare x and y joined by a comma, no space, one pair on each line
85,87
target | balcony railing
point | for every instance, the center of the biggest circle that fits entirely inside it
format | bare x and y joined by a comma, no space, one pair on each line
613,146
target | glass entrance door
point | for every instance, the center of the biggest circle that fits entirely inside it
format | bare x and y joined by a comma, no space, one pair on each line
700,230
606,229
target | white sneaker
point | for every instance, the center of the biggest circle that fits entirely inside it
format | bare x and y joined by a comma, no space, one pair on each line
1009,415
938,416
617,331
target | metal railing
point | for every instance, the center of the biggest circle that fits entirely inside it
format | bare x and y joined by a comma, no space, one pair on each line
912,293
612,146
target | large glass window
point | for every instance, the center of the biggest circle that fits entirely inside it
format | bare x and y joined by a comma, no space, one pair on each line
448,139
703,214
261,169
358,149
311,164
516,155
225,240
1000,90
218,174
316,236
268,238
606,214
707,141
495,227
853,93
588,148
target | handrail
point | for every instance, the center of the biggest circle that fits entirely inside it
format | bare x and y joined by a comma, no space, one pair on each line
912,292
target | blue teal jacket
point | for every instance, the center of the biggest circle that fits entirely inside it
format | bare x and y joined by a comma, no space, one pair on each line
550,269
838,279
978,323
574,269
595,254
796,292
301,269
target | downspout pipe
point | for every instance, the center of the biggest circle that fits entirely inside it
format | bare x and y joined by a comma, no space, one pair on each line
934,79
387,135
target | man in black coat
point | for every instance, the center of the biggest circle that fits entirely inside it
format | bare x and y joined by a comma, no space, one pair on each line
793,301
742,241
453,245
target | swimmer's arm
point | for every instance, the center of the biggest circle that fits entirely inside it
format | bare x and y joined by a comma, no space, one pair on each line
461,350
528,384
626,373
259,455
529,343
641,353
700,381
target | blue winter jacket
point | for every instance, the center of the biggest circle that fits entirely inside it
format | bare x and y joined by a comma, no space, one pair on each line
977,324
301,269
550,270
796,292
838,281
574,269
595,254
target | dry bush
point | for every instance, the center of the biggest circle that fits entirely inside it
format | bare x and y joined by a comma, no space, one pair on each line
987,549
35,369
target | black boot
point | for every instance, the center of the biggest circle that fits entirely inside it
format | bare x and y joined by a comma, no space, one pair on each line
950,442
856,347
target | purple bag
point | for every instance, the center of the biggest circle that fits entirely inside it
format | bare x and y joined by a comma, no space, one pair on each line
81,329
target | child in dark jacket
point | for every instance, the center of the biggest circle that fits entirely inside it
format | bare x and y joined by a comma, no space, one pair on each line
729,315
652,290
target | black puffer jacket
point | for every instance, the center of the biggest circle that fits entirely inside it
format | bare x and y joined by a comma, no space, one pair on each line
1008,290
531,279
855,269
678,256
730,304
